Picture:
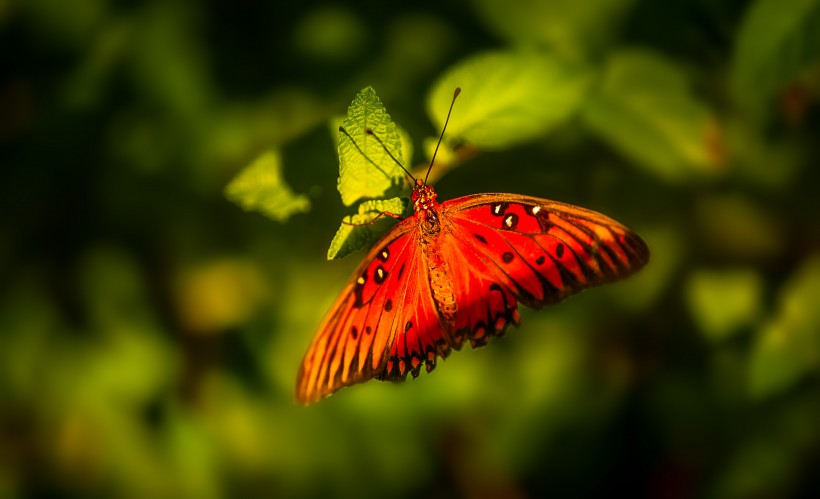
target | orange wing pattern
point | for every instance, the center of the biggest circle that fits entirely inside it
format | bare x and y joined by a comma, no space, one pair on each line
383,316
544,251
504,248
493,251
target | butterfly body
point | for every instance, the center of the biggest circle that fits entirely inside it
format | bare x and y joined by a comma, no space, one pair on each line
456,271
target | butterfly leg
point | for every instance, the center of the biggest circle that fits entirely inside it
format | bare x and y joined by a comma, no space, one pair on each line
382,214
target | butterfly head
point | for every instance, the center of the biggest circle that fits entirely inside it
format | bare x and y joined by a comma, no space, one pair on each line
423,197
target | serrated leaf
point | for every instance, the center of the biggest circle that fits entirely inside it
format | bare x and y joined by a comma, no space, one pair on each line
777,40
507,97
363,233
722,302
406,141
645,109
366,170
788,346
566,27
260,187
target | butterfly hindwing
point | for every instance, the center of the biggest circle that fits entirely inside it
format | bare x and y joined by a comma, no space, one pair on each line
419,337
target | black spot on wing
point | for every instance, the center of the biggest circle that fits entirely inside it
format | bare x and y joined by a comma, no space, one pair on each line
379,275
499,209
510,221
357,291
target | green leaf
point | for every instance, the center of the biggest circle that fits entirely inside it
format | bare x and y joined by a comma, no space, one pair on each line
260,187
507,97
788,346
350,238
567,27
644,109
777,40
722,302
365,168
406,141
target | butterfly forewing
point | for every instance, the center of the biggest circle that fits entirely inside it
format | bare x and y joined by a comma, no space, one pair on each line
356,335
545,249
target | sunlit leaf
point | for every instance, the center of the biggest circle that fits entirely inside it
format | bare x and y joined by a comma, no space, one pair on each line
507,97
567,27
777,40
645,109
406,141
366,170
260,187
722,302
350,238
788,345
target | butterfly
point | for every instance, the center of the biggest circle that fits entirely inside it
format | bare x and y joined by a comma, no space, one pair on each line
455,272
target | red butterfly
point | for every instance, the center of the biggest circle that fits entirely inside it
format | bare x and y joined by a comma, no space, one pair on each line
455,271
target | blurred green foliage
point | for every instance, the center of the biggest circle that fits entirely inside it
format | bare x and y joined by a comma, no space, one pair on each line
150,330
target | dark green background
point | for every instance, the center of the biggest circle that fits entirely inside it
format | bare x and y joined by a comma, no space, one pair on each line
150,330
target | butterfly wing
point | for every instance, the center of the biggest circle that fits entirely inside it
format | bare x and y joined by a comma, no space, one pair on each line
384,321
498,249
501,249
518,248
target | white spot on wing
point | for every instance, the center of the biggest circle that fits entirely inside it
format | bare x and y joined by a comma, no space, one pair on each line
535,210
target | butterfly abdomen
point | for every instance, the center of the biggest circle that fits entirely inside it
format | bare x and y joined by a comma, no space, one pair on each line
441,283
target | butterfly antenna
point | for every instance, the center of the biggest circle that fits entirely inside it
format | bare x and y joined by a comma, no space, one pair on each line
370,132
433,159
365,156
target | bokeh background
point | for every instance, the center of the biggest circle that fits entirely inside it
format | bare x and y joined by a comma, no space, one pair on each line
151,330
